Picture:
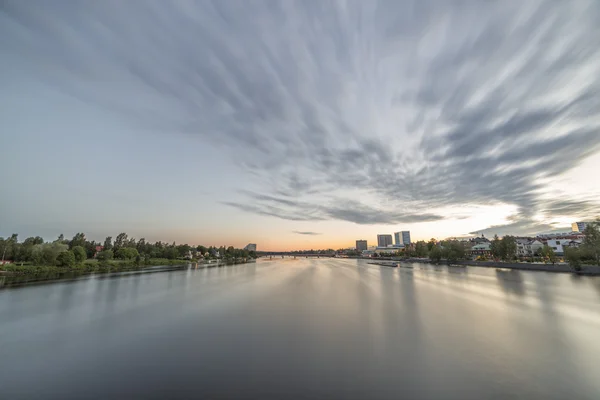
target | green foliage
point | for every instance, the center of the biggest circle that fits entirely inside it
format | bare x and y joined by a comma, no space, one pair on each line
496,247
505,248
120,241
508,248
45,256
431,244
591,243
454,251
421,249
435,254
65,259
105,255
108,243
78,240
573,256
127,253
548,254
8,247
47,253
80,254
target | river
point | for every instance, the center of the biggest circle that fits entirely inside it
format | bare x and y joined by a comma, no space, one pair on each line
304,328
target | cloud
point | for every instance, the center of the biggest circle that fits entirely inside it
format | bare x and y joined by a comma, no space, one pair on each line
306,233
413,106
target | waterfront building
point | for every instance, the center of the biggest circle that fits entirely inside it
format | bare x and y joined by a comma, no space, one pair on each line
361,245
384,240
527,247
402,238
250,247
406,238
481,249
387,250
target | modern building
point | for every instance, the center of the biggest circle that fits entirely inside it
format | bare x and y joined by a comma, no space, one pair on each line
361,245
578,226
406,238
402,238
384,240
250,247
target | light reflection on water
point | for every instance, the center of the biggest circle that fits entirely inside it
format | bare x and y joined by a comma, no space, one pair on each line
309,328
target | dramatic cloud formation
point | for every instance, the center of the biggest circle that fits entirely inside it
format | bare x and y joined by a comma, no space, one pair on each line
372,112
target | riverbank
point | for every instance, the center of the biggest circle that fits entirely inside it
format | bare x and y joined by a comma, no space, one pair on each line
591,270
95,266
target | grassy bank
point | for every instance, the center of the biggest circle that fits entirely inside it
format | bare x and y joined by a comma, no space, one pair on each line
88,266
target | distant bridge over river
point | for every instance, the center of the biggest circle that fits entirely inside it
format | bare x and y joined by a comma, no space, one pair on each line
284,254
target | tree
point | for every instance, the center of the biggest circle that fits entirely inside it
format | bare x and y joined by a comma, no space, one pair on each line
108,243
435,254
80,254
573,256
120,241
141,245
455,251
421,249
496,247
548,254
105,255
66,259
591,243
9,244
78,240
127,253
508,248
431,244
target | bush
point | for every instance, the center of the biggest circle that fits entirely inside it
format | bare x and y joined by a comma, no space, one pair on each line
80,254
66,259
127,253
105,255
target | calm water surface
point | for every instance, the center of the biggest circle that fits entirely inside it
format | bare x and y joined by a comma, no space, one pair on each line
307,328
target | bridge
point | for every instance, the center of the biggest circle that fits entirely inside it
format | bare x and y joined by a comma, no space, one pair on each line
283,254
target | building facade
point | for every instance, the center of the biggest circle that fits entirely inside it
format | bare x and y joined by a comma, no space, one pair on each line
406,238
578,226
480,250
250,247
384,240
361,245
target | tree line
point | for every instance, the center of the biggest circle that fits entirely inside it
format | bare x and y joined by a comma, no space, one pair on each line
65,252
589,251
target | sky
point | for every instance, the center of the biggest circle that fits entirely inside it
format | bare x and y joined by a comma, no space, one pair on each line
298,125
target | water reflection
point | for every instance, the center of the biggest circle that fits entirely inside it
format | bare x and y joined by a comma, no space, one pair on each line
304,328
511,281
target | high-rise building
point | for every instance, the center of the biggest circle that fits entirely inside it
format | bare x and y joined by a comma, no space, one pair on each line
384,240
250,247
402,238
578,226
361,245
406,238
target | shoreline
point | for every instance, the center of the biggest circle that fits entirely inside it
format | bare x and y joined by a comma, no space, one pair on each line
587,270
110,267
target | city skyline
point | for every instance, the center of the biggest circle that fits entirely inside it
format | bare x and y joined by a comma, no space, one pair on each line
298,125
